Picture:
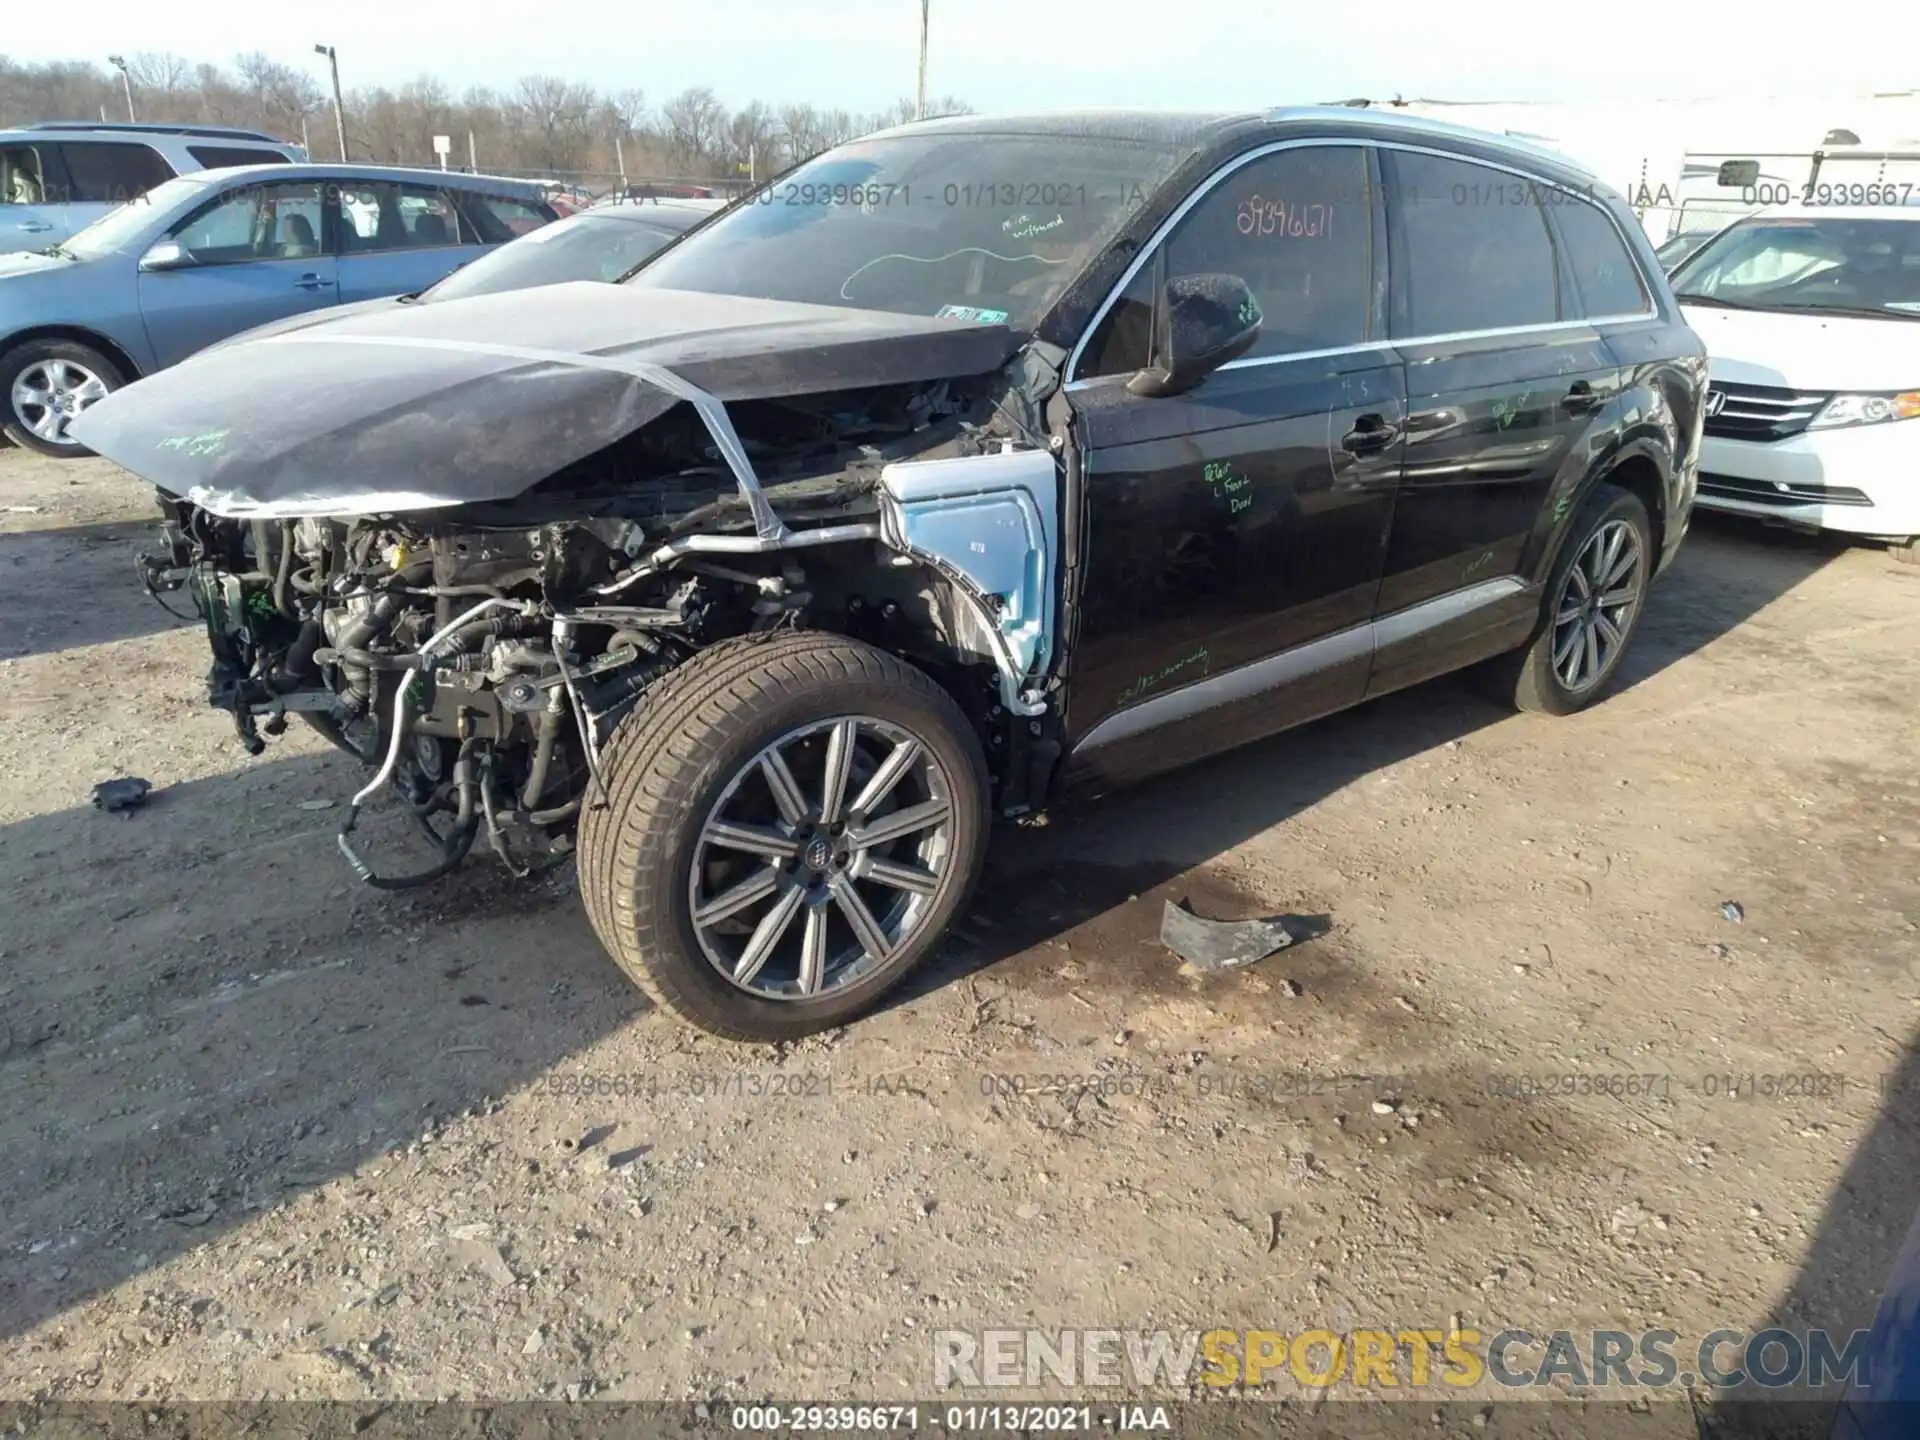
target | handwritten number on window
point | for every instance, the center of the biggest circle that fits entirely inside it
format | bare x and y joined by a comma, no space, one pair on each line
1258,216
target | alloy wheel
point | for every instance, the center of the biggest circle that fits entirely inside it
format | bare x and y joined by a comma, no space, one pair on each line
822,857
1597,603
48,393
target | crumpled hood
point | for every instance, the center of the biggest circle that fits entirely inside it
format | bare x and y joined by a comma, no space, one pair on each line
419,406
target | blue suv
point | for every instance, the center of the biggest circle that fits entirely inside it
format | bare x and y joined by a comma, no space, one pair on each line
205,256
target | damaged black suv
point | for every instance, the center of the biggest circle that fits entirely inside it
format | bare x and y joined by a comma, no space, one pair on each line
965,466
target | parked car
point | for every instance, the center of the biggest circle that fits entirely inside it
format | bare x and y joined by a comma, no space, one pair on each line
604,244
202,257
56,179
970,466
1812,316
1676,250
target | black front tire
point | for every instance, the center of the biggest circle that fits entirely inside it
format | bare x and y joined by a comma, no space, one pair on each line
670,762
1528,678
34,354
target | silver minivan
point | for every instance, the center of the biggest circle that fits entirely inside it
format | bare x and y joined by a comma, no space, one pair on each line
57,179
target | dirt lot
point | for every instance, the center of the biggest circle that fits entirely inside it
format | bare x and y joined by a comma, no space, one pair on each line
269,1134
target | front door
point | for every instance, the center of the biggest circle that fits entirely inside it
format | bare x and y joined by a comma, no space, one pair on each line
1234,533
1501,388
254,254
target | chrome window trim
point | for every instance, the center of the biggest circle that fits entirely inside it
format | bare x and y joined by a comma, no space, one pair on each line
1075,380
1340,648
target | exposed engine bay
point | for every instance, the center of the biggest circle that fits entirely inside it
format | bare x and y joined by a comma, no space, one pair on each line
478,656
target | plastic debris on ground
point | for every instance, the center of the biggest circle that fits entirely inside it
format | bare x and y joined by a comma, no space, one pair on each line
127,793
1219,944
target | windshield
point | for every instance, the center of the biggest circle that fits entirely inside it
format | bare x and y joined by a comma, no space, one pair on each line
125,224
1832,264
581,247
990,228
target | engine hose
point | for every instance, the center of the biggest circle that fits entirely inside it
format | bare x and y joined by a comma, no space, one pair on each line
433,642
548,732
298,660
496,837
283,571
454,847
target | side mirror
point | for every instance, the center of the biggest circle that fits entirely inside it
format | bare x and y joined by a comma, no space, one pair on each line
1207,320
167,255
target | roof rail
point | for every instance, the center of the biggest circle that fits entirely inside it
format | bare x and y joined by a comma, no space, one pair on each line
221,132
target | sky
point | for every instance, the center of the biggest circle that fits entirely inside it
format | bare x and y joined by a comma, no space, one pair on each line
1013,55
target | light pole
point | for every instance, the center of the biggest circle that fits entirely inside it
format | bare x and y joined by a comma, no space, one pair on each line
920,93
339,112
119,62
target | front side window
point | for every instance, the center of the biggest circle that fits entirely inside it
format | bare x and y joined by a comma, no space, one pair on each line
261,222
1476,253
1829,264
111,173
1296,226
970,225
1603,271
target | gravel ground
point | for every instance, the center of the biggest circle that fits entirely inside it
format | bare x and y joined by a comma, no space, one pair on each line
270,1135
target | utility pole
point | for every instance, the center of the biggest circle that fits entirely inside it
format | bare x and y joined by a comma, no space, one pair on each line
473,164
119,62
306,145
620,159
920,93
339,111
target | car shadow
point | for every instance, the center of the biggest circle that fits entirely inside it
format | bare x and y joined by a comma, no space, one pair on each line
1089,859
172,1069
75,585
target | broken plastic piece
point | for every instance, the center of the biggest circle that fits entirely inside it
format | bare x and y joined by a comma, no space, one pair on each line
1219,944
127,793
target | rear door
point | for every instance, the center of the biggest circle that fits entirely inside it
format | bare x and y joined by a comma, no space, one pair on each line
1503,378
1235,532
256,253
397,239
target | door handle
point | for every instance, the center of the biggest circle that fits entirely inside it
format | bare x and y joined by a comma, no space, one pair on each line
1370,435
34,227
1582,397
311,282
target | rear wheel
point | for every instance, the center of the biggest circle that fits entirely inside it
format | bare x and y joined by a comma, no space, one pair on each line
48,382
1592,606
791,824
1908,553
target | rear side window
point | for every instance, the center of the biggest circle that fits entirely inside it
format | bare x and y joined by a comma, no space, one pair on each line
23,177
1476,252
384,216
112,173
1603,270
1297,226
224,157
500,218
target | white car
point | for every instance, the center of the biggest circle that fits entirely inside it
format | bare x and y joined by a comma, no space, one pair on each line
1812,321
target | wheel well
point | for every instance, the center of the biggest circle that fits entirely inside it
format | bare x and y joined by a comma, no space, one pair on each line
1642,477
92,339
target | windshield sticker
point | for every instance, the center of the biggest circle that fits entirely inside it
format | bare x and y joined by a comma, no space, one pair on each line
1022,227
968,312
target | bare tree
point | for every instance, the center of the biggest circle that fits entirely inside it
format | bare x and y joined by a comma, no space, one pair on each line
543,125
691,124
